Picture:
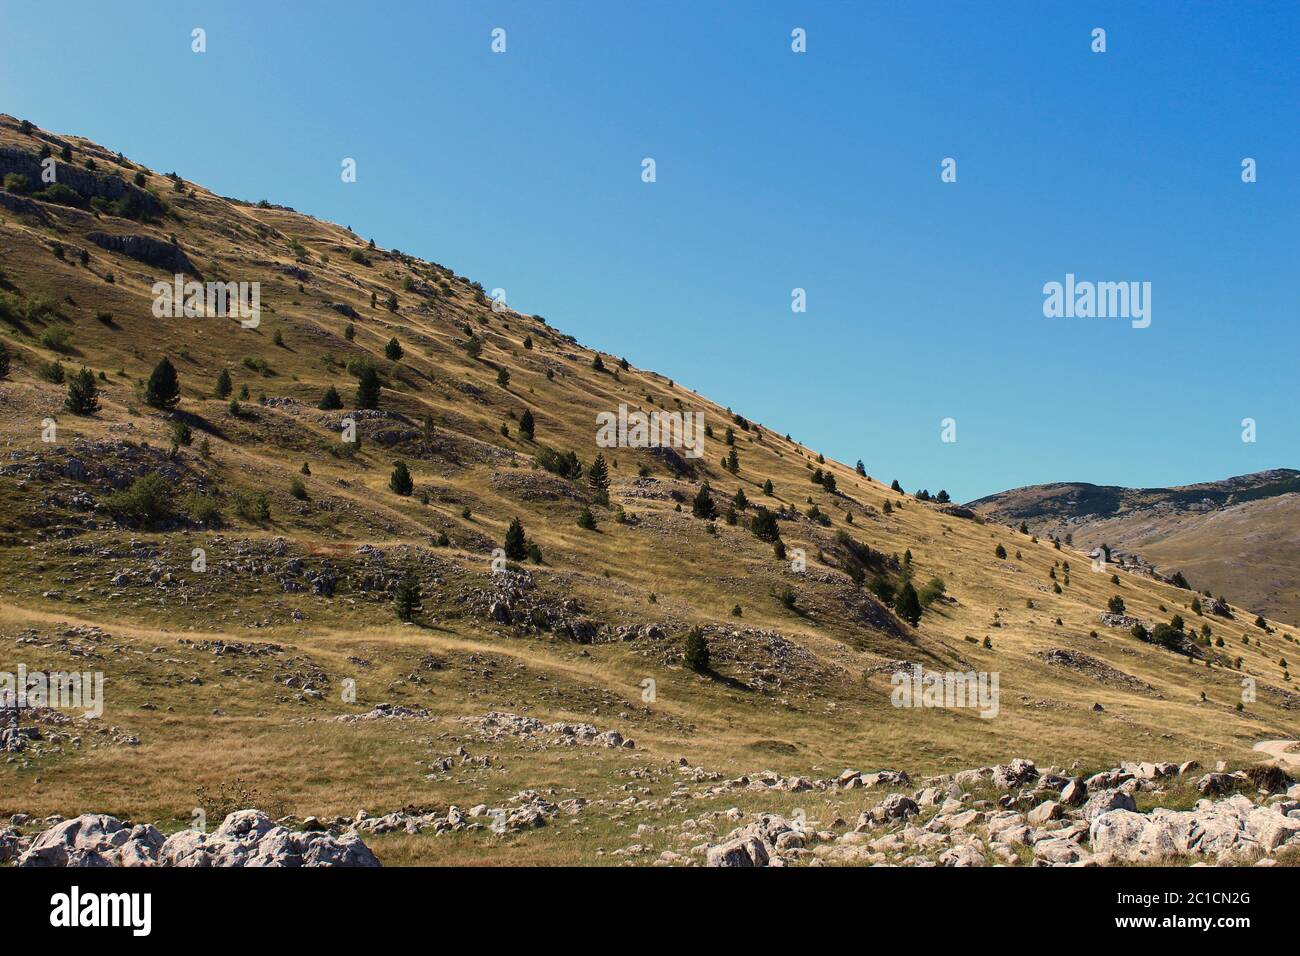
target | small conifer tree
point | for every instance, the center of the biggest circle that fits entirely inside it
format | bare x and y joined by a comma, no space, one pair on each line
163,390
400,480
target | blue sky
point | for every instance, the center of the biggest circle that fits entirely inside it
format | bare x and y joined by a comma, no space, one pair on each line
778,170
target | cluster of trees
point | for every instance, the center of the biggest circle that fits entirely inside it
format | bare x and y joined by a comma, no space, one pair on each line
825,479
1170,636
564,464
942,497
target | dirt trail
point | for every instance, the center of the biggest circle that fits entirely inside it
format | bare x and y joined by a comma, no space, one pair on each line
1277,750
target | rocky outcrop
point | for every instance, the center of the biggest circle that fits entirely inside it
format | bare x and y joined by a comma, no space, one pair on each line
1045,818
251,838
245,838
94,840
957,511
1234,830
88,183
146,249
499,725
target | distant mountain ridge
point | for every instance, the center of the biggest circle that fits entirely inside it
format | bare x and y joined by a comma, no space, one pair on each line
1239,535
1079,499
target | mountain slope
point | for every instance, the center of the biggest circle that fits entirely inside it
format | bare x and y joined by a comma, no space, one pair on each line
1239,536
253,671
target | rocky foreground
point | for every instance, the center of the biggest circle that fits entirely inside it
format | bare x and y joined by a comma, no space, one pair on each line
1042,819
1005,815
245,838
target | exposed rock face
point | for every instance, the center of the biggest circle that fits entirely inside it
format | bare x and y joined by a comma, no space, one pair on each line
1234,830
22,206
1215,605
87,182
251,838
957,511
678,465
245,838
146,249
94,839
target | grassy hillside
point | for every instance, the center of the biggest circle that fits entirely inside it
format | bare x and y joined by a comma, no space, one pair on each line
233,677
1239,537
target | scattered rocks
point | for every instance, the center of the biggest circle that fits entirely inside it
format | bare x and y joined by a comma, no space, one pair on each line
245,838
498,725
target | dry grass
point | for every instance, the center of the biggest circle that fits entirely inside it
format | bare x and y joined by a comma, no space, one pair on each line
293,754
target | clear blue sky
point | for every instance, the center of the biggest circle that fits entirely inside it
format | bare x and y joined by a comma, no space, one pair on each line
778,170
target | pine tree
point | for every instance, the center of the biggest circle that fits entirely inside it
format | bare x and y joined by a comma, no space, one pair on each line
597,364
895,486
163,389
733,462
861,469
83,395
764,525
586,520
516,542
740,502
908,604
696,652
400,481
224,385
526,424
368,388
331,399
598,478
408,598
393,350
703,506
503,376
1000,552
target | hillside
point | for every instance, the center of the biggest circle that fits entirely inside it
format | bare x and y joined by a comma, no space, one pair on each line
278,671
1239,537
